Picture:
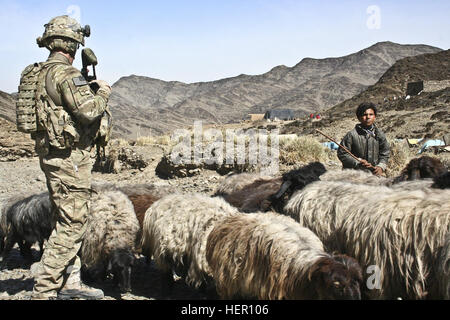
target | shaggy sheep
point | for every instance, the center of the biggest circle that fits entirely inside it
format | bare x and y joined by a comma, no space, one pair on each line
263,194
255,196
175,231
421,168
108,244
401,232
111,238
322,207
444,269
270,256
398,230
237,181
25,220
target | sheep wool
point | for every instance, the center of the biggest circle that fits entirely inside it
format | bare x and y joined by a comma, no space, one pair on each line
322,206
402,233
399,230
238,181
444,269
255,196
355,176
175,231
112,225
270,256
25,219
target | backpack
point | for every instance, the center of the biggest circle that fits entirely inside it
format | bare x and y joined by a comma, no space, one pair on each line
26,102
29,97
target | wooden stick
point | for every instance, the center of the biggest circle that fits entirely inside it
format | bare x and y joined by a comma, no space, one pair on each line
343,148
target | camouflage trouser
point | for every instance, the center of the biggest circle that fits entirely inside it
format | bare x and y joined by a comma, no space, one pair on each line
69,183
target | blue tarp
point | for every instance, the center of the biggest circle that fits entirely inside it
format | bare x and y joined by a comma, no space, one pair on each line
331,145
431,143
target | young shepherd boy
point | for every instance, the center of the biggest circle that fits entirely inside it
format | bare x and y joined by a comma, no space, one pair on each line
367,142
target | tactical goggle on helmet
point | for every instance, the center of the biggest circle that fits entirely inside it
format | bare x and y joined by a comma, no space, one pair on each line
64,26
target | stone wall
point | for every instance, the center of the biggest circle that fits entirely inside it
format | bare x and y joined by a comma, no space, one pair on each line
414,88
434,85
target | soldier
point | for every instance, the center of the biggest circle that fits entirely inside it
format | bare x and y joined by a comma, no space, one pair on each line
367,142
66,124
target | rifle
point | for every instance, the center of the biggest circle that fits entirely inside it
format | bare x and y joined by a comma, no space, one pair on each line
343,148
88,58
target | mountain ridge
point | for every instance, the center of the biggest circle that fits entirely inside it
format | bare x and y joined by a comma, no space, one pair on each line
311,85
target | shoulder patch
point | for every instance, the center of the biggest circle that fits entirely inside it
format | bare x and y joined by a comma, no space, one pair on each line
79,81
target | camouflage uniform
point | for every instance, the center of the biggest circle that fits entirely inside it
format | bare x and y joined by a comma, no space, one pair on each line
63,145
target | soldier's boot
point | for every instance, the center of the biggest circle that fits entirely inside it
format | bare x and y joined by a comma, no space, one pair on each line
80,291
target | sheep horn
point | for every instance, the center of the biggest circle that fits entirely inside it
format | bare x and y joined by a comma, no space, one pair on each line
282,190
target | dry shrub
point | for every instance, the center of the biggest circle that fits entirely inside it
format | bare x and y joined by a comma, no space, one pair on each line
401,154
303,150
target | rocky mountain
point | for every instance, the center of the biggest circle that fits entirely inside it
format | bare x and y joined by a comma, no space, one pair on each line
393,83
419,116
146,106
7,106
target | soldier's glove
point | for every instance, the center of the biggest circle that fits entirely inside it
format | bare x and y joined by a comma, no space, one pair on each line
104,89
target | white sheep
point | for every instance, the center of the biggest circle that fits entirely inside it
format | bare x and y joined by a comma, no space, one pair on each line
174,234
111,238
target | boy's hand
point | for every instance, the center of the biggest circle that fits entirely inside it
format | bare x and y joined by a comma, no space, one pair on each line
365,163
378,171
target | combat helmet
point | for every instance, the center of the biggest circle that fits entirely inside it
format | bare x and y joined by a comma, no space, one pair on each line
64,33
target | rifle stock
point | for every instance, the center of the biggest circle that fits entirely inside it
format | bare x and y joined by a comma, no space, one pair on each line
88,58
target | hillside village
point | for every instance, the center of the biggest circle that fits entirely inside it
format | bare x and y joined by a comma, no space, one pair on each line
410,84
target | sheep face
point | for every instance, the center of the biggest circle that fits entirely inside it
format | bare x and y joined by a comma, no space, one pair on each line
337,278
120,265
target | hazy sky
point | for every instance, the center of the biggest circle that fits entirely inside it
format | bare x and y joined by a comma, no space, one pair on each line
193,41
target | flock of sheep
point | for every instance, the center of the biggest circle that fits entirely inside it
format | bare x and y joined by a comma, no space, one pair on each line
308,234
